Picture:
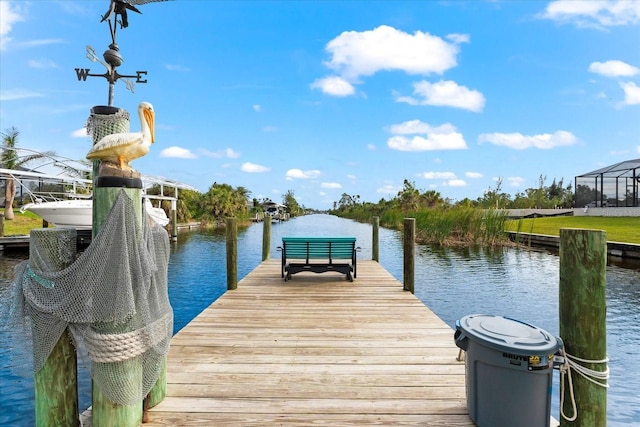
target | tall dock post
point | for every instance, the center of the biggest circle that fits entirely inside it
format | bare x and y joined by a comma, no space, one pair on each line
232,253
105,121
409,253
583,262
375,251
266,239
56,383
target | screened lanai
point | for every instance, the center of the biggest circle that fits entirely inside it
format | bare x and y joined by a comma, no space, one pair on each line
612,186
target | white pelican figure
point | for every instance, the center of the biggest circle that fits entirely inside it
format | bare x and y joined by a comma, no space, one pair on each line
121,148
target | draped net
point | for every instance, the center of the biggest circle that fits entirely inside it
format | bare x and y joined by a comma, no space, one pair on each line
113,298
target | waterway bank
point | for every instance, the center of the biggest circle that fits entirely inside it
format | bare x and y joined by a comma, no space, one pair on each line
614,249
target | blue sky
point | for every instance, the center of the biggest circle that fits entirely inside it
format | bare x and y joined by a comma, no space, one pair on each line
329,97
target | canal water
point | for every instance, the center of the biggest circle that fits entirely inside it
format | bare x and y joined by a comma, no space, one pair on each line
517,283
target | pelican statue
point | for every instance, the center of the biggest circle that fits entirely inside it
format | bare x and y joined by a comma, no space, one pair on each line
121,148
119,7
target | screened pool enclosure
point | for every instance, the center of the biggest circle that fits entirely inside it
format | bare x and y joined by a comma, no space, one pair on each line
612,186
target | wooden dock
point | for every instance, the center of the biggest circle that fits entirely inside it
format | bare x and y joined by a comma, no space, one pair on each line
316,350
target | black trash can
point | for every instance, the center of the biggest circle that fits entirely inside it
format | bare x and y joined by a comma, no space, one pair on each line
509,370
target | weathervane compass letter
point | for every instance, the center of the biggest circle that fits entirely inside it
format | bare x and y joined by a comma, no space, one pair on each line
112,57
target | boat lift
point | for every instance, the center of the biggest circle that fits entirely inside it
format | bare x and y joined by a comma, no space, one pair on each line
81,188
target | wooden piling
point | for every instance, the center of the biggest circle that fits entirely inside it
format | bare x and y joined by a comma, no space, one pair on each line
409,254
583,262
56,383
375,251
104,412
266,240
159,390
232,253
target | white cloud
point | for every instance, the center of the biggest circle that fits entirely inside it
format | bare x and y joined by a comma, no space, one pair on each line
412,127
456,183
520,142
438,175
614,69
15,94
445,93
269,128
299,174
330,185
443,137
450,179
177,152
334,85
226,153
351,177
631,93
8,16
638,149
514,181
594,14
230,153
452,141
355,54
458,38
371,147
473,175
80,133
257,108
253,168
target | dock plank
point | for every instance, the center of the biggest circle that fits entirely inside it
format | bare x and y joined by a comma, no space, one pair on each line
315,350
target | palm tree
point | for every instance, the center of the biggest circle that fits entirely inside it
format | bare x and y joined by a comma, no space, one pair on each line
9,159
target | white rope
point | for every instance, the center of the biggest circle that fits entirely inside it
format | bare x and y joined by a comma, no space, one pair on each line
110,348
595,377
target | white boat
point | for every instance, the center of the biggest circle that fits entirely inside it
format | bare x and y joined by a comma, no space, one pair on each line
64,213
158,215
79,213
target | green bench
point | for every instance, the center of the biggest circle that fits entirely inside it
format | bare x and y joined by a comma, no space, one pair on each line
318,255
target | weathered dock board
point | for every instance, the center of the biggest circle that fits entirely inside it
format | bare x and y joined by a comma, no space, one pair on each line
316,350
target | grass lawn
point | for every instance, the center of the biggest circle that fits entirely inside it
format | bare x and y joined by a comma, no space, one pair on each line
22,224
618,229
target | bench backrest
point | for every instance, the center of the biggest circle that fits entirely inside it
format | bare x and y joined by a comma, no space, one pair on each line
318,247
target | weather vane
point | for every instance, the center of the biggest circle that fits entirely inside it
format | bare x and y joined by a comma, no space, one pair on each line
112,57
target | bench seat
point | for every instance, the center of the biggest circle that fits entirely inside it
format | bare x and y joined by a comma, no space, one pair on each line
318,255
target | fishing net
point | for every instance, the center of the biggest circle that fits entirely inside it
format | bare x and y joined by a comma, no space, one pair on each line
105,121
113,298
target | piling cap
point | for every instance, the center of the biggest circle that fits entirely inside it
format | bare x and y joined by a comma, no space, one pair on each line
507,335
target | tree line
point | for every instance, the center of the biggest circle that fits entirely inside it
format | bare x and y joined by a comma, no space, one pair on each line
553,196
441,221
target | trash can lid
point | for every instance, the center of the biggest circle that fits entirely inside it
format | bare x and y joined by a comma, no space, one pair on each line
505,334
